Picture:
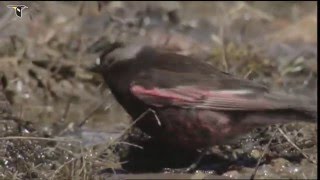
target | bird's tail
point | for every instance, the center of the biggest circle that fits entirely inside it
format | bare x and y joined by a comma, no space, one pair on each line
290,109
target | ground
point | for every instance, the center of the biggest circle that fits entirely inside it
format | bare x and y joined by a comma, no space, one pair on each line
66,124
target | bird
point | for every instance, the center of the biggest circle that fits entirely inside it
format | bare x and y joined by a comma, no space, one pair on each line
188,103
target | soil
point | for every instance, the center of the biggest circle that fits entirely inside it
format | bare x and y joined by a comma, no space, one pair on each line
62,122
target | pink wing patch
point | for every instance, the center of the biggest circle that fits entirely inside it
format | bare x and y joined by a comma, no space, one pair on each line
191,97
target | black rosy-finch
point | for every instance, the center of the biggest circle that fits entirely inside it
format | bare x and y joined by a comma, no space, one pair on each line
189,103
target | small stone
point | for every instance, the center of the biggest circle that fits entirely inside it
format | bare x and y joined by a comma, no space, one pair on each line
256,154
232,174
280,164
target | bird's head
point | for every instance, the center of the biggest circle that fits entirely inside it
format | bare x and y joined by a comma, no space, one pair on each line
114,53
102,60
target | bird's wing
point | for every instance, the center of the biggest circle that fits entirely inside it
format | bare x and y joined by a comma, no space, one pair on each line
163,88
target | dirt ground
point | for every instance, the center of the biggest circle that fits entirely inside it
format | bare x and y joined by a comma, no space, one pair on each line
65,123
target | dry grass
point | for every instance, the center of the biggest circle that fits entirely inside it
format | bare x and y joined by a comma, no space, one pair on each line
44,62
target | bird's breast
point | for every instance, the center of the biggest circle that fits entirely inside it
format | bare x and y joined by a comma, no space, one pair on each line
194,128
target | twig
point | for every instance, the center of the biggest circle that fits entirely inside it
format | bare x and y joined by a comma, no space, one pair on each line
66,112
248,74
38,138
294,145
262,155
135,121
63,165
130,144
223,47
84,121
156,116
83,158
131,125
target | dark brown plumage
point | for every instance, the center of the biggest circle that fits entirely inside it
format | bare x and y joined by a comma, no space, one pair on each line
197,105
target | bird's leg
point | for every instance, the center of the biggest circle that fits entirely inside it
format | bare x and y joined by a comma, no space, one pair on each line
196,163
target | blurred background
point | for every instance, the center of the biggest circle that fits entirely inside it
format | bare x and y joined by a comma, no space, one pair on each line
43,54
